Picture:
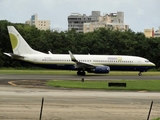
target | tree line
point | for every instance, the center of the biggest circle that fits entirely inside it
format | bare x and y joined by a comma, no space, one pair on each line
102,41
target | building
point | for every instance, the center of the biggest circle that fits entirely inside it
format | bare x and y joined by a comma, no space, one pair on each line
114,21
40,24
116,17
149,32
90,27
76,20
157,33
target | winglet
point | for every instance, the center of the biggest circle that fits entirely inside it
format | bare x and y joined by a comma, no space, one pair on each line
72,56
49,52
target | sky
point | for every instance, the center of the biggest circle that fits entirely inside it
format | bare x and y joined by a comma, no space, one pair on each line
138,14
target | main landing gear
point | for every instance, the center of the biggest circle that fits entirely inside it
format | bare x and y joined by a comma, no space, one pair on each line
140,73
81,72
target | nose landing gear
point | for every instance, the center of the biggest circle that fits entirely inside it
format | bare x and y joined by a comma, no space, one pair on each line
140,73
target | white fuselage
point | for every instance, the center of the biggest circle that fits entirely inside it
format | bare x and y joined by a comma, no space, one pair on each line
115,62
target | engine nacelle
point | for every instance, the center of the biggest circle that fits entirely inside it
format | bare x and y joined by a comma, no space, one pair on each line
100,69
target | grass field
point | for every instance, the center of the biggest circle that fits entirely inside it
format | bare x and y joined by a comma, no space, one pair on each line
36,72
136,85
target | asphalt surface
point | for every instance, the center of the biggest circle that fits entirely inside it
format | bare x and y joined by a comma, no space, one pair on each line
40,80
73,77
20,99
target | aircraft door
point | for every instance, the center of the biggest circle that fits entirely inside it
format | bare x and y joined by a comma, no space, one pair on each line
35,60
139,62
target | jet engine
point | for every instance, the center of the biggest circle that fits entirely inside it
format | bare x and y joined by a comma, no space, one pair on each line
100,69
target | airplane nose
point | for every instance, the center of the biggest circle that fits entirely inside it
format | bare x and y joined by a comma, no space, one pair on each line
153,64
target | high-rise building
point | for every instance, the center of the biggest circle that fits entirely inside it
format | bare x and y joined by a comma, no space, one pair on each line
76,20
114,21
40,24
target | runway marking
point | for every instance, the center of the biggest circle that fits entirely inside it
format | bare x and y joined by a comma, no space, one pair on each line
142,91
11,83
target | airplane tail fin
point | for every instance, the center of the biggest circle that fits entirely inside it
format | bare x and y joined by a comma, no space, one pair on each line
19,45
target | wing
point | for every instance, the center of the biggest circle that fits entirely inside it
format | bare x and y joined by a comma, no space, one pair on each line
81,64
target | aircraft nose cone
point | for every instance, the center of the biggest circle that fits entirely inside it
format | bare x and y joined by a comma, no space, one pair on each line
153,64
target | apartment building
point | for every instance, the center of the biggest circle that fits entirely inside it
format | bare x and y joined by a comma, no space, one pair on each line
90,27
76,20
114,21
149,32
40,24
157,33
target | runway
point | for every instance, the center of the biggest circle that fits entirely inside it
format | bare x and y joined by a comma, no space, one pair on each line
23,102
21,79
74,77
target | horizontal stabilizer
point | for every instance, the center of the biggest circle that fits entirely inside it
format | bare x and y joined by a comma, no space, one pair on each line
14,55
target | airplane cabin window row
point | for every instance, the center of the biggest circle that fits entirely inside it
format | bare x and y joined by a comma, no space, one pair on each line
88,61
113,61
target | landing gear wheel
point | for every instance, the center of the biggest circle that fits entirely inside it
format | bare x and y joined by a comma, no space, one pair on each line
81,73
140,73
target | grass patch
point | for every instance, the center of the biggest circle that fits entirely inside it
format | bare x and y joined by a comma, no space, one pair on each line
156,119
14,71
68,72
137,85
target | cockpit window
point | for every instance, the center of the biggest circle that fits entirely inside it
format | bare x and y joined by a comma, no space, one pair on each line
147,61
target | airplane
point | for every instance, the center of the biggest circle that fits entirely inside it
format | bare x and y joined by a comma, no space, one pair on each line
81,63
